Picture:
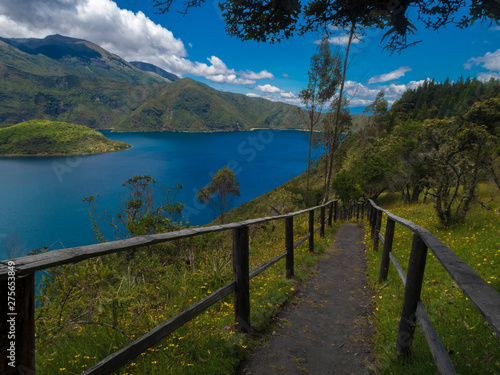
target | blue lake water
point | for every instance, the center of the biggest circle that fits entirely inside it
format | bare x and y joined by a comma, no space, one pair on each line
41,198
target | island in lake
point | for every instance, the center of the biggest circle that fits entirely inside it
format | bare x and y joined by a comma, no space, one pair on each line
44,138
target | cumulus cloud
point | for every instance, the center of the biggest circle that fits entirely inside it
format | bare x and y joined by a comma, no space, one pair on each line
490,61
274,93
386,77
133,36
268,88
342,40
361,95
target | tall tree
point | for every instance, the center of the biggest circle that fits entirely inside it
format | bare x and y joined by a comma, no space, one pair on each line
456,154
219,194
337,125
324,78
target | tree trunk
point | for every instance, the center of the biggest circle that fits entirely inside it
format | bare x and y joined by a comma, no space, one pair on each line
339,107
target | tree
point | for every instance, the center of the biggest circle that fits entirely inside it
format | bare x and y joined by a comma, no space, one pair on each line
346,187
378,111
275,20
219,194
456,154
336,127
141,212
341,103
487,113
324,78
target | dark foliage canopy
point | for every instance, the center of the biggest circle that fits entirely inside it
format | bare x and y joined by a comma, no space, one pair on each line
275,20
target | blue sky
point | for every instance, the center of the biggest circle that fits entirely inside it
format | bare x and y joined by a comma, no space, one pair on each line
197,46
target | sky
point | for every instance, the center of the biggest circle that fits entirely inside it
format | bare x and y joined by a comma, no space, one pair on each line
197,46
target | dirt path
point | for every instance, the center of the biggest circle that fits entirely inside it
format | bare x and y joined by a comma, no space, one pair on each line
326,329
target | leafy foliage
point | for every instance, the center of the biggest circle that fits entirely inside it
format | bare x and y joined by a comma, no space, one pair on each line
142,211
276,20
411,149
324,78
346,188
456,154
219,194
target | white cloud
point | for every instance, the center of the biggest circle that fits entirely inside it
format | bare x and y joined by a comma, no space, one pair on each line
342,40
264,74
361,95
133,36
386,77
269,88
488,75
490,61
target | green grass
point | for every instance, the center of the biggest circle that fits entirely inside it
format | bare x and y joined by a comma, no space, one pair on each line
130,298
43,137
473,346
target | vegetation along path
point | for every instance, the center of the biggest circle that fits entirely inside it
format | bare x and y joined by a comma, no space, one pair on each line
326,329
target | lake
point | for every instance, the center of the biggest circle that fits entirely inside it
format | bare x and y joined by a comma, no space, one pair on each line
41,198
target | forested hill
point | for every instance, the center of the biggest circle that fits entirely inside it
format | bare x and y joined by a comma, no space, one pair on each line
73,80
441,139
442,100
194,106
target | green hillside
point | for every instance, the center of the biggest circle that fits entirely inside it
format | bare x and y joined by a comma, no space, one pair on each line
42,137
188,105
57,55
72,80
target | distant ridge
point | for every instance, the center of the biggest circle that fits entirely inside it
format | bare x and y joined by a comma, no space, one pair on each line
60,78
150,68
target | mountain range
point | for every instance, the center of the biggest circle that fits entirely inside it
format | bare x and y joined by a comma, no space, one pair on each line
60,78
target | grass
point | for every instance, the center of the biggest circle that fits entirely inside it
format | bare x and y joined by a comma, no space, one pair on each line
127,299
44,137
472,345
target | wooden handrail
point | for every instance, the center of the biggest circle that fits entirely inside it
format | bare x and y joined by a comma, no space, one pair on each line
482,295
25,268
32,263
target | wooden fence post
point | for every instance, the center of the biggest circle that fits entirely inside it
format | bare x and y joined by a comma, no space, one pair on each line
413,287
336,209
18,325
389,237
357,210
289,247
311,231
362,211
322,216
378,225
330,214
241,269
373,218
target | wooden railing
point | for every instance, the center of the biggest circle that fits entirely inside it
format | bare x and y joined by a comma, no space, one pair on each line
17,288
483,296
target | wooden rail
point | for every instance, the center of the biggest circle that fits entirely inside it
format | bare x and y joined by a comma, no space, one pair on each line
22,270
483,296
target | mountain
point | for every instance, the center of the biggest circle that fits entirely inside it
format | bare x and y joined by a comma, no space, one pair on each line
154,71
73,80
188,105
62,55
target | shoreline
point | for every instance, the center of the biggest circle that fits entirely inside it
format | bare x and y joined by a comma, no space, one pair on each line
59,155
